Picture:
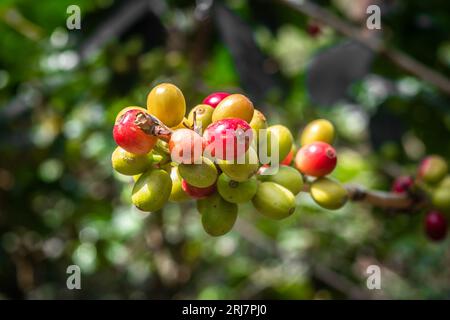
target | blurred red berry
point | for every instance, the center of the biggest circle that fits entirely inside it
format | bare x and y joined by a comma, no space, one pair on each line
402,184
313,29
435,225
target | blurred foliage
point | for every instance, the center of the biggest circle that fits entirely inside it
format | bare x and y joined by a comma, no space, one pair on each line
61,203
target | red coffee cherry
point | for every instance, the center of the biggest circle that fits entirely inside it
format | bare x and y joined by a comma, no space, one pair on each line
227,139
402,184
185,146
129,136
435,225
316,159
214,98
197,193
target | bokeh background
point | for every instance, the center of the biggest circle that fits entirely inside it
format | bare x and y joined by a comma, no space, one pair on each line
61,203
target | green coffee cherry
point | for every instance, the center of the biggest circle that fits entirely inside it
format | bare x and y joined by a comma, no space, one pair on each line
241,169
286,176
152,190
258,121
445,183
199,175
236,192
328,193
177,194
218,215
441,198
128,163
203,115
274,201
433,169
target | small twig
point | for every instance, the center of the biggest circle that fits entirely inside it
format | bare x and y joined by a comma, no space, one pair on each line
381,199
195,125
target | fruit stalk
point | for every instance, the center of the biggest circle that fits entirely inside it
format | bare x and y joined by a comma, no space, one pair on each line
151,125
386,200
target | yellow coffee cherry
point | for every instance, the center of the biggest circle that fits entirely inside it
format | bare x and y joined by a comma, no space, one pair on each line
234,106
317,130
166,102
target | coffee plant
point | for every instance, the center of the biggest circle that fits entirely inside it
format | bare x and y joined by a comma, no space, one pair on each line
225,153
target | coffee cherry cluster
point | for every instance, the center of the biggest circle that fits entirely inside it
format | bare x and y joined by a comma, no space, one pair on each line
214,156
432,182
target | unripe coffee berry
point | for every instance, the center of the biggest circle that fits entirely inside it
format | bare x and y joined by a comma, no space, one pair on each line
152,190
128,163
166,102
234,106
317,130
435,225
281,136
328,193
203,116
441,198
258,121
274,201
316,159
432,169
218,215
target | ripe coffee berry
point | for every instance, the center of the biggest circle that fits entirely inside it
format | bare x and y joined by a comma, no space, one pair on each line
435,225
129,136
214,98
402,184
227,139
316,159
185,146
197,193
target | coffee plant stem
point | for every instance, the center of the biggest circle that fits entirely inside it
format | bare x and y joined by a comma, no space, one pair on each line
381,199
